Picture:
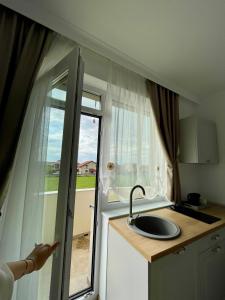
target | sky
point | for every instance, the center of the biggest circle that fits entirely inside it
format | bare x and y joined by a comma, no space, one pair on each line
87,140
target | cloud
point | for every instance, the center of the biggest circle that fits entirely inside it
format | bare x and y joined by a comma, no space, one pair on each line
88,138
56,123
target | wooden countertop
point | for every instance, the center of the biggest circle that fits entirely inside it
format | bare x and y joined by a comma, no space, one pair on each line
191,230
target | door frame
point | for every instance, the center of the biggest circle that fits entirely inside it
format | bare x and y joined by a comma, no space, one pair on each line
74,65
92,291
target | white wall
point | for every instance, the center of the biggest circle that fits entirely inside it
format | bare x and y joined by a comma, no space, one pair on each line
82,211
212,177
188,172
207,179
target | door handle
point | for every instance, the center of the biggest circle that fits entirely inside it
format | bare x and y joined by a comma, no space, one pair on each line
181,251
91,206
217,249
215,237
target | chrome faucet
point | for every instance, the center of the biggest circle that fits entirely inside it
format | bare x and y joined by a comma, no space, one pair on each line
130,218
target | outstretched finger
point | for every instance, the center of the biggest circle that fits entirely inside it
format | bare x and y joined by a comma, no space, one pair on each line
54,245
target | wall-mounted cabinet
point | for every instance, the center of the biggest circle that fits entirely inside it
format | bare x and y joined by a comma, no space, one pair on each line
198,141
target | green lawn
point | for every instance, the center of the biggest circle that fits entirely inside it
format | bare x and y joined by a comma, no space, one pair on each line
83,182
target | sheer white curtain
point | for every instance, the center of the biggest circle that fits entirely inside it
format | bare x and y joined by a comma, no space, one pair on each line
24,205
131,151
28,213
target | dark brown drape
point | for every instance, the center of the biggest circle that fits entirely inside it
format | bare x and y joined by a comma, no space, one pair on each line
23,44
165,105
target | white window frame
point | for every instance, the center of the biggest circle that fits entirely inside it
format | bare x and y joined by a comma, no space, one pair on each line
91,111
104,205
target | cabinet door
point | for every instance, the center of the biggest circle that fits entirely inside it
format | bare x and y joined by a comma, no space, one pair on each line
127,270
207,142
212,273
173,277
198,141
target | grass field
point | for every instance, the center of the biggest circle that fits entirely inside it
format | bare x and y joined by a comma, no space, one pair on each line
83,182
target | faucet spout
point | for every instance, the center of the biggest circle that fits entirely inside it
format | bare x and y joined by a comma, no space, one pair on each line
130,219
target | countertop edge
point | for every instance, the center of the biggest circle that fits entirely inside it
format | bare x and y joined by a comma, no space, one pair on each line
172,249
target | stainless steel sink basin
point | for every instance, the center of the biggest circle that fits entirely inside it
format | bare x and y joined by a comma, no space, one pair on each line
155,227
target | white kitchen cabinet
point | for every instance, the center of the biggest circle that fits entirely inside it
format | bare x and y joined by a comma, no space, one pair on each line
193,272
211,273
127,270
198,141
130,276
174,276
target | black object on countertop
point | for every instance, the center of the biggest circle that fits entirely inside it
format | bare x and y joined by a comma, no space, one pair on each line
194,199
194,214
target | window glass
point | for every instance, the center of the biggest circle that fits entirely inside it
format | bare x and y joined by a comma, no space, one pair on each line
54,136
91,101
136,154
83,244
58,94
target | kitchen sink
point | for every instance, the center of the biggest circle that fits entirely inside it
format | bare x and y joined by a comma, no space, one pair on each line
155,227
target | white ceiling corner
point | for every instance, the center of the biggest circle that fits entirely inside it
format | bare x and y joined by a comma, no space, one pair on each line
179,44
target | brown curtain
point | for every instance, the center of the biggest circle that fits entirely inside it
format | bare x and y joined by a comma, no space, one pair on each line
23,45
165,105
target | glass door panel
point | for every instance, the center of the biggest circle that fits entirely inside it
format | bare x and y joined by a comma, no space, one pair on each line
66,99
82,259
52,174
62,142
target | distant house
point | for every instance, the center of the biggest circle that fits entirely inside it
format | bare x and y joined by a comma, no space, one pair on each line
57,165
86,168
53,167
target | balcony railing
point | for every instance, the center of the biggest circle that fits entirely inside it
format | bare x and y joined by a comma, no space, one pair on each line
83,216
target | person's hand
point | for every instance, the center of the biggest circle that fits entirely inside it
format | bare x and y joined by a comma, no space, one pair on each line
41,253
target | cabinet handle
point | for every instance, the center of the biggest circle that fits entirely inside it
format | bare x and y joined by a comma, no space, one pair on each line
217,249
181,251
215,237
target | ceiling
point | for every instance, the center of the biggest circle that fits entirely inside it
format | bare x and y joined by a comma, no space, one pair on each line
180,41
